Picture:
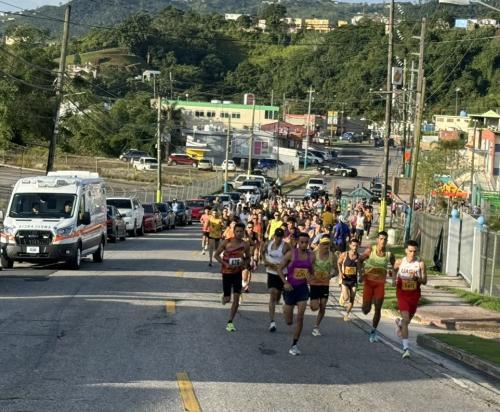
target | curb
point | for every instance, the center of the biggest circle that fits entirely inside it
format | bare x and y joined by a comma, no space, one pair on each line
429,342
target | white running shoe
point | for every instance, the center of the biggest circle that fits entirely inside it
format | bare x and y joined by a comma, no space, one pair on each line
272,326
316,332
294,351
406,354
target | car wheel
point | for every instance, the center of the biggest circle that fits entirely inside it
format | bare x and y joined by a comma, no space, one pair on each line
344,174
190,222
6,262
98,255
76,261
112,238
194,165
323,172
133,232
122,238
173,163
140,231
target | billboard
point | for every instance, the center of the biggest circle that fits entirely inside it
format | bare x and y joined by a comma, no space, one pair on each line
333,118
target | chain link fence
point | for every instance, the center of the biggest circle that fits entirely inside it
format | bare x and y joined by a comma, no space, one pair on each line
490,264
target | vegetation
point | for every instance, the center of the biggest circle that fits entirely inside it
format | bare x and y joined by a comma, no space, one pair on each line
476,299
487,349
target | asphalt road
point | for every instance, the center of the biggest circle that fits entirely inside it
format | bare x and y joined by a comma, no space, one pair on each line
113,336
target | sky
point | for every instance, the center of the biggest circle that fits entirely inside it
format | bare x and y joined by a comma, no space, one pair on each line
28,4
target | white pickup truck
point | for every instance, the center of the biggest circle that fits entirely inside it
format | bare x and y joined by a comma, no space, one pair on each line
316,184
145,163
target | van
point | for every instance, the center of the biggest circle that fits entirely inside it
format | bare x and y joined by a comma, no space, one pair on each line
58,217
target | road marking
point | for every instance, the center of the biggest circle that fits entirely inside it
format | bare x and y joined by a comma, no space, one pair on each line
189,399
180,273
170,307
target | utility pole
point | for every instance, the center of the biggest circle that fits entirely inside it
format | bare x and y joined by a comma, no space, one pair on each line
388,116
228,139
405,116
171,86
307,126
272,97
417,129
472,199
59,90
250,144
410,117
159,196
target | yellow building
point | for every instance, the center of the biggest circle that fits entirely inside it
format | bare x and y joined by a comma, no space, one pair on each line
342,23
219,112
322,25
445,122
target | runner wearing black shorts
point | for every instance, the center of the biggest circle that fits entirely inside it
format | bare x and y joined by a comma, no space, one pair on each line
348,266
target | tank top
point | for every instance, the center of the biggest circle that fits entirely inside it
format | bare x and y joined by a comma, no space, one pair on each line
376,266
406,272
350,267
299,269
274,256
232,260
322,270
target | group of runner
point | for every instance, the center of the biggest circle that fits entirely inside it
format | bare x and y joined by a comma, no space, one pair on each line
303,245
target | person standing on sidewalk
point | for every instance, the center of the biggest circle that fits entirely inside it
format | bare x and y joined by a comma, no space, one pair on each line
299,263
349,264
273,252
378,263
411,273
234,256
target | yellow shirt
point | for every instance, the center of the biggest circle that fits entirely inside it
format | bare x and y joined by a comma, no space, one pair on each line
327,218
215,228
273,225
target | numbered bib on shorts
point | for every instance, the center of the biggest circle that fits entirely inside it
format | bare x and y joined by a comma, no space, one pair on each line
408,284
235,261
321,274
350,271
300,273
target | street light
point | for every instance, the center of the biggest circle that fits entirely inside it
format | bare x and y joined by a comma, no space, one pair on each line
457,90
468,3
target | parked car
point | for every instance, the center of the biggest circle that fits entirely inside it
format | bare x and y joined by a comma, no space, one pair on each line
337,169
317,183
238,181
378,142
182,159
145,163
346,136
231,166
251,194
197,207
376,189
355,138
167,215
259,185
115,225
153,221
224,199
235,196
266,164
132,211
132,154
208,199
205,164
311,158
321,154
183,214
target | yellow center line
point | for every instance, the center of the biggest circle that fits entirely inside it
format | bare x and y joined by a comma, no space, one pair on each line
170,307
180,273
189,399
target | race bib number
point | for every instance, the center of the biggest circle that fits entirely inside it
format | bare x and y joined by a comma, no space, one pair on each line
321,274
300,273
272,266
350,270
234,261
408,284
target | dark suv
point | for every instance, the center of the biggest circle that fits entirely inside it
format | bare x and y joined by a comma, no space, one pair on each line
132,154
266,164
182,159
339,169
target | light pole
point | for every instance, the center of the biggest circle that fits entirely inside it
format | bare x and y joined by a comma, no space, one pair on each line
468,3
457,90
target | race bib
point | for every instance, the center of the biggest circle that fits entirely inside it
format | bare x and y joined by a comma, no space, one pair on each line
272,266
300,273
234,261
408,284
321,274
350,270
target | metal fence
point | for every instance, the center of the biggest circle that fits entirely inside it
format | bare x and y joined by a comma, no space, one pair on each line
466,248
490,264
431,232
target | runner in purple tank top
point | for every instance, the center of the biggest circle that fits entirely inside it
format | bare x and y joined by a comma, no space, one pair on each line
299,263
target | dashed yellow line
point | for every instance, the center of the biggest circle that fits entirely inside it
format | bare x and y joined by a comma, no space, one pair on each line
170,307
189,399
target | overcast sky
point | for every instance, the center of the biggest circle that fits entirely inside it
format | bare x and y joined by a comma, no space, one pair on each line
29,4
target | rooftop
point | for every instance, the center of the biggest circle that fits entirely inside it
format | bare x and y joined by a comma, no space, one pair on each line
188,103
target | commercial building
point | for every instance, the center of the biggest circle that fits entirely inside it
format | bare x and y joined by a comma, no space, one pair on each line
450,123
321,25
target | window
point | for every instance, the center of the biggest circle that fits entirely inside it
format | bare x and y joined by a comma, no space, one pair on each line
497,148
210,114
199,114
235,115
449,120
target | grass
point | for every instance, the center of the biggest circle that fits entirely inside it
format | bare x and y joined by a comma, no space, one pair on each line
486,349
476,299
114,57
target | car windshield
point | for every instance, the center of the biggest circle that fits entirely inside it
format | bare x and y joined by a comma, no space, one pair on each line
235,197
120,203
162,207
195,203
42,205
252,183
150,160
177,207
148,208
315,182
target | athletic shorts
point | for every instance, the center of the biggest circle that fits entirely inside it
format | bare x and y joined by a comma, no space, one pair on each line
408,301
274,281
300,293
359,232
319,292
350,283
231,281
373,289
206,234
341,245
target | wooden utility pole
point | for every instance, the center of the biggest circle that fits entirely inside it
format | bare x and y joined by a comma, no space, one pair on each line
59,90
388,118
159,196
228,139
250,143
472,197
307,126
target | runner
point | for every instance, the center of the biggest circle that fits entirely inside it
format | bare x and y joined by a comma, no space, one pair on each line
233,255
204,218
360,224
411,274
340,234
273,252
378,263
299,267
214,234
349,268
251,238
324,266
273,225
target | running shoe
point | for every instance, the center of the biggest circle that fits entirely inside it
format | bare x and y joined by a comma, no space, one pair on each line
373,336
230,327
398,327
294,351
347,318
203,251
316,332
406,353
210,264
341,299
222,300
272,326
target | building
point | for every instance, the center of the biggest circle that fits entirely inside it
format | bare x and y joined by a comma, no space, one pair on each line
261,24
290,135
147,75
450,123
485,144
294,24
342,23
321,25
219,113
77,70
232,16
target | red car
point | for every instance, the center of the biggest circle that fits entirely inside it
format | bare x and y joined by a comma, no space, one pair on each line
152,218
197,207
182,159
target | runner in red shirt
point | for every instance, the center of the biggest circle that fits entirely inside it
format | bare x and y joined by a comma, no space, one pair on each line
205,217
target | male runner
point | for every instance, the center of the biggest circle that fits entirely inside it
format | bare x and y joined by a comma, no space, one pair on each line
273,251
324,266
214,234
378,263
251,238
234,256
299,264
204,218
273,225
349,265
411,274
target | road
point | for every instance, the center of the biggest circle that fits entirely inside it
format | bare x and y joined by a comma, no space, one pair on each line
114,336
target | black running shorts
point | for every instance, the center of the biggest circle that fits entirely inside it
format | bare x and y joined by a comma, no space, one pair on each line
231,281
274,282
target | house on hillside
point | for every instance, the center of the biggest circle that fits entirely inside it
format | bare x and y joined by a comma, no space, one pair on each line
78,70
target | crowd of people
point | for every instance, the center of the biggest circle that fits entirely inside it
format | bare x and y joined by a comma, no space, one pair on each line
303,245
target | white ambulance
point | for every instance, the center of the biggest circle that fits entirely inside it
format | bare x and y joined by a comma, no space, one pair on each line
58,217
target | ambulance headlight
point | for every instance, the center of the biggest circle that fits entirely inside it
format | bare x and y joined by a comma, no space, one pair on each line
64,231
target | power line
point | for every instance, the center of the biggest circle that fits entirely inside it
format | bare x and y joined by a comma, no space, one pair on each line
17,79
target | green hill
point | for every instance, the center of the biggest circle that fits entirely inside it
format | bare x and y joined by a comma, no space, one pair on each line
108,57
